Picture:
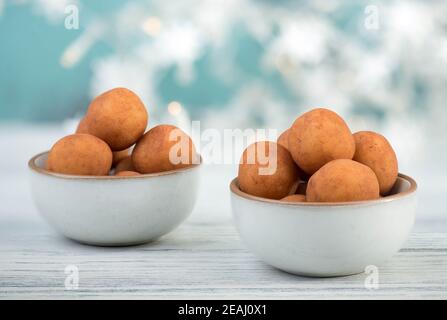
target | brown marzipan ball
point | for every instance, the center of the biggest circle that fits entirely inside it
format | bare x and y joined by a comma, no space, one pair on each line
320,136
283,139
118,117
82,126
163,148
120,155
127,174
294,198
125,165
266,169
374,151
342,180
80,154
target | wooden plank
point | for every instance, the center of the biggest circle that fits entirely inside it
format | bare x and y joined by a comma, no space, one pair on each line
199,261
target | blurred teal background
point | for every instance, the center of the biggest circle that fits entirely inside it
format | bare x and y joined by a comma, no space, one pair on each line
33,84
231,64
223,56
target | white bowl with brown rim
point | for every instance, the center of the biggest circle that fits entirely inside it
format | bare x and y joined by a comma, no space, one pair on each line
113,210
326,239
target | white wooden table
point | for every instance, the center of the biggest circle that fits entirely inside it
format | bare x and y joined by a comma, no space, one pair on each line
203,258
198,261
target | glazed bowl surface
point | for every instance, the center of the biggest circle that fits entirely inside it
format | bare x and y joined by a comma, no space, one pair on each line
325,239
111,210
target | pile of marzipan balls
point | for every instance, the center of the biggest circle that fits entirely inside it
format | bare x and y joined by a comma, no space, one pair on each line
110,140
318,159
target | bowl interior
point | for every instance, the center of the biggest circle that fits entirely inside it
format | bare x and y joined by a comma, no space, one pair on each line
38,163
404,186
41,161
400,186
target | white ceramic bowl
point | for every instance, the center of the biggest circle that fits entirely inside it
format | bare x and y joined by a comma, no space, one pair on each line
110,210
325,239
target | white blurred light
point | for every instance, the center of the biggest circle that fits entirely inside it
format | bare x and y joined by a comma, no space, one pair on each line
180,42
71,56
174,108
374,69
79,47
410,20
152,26
304,40
126,72
53,10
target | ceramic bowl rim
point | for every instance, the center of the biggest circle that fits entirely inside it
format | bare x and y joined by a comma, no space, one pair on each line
234,188
34,167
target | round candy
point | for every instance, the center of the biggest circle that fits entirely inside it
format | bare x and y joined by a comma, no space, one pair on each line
118,117
82,126
127,174
120,155
163,148
342,180
294,198
374,150
320,136
283,139
80,154
125,165
266,169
